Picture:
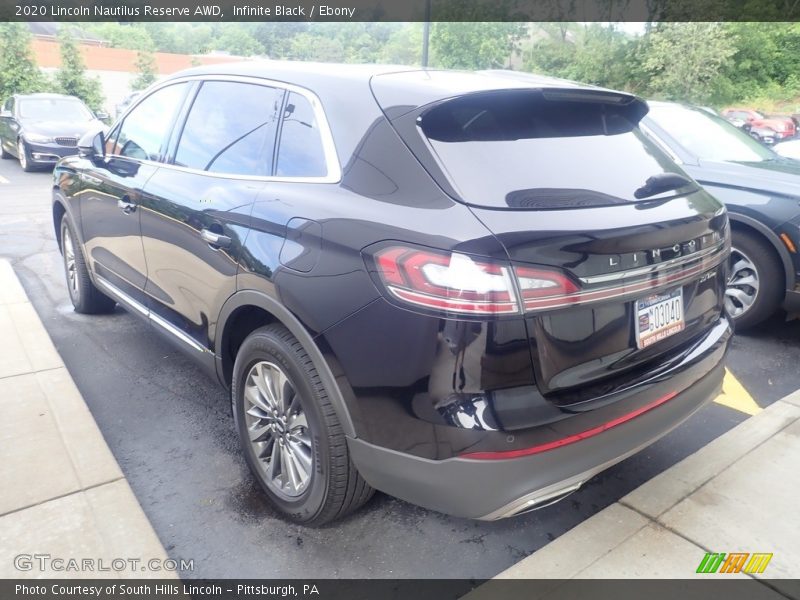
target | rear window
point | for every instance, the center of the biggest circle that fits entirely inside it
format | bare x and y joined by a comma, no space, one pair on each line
520,149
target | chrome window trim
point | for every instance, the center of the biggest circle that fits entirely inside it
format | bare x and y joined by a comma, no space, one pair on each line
334,168
147,313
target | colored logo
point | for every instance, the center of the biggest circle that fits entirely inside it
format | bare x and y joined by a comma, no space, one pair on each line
734,562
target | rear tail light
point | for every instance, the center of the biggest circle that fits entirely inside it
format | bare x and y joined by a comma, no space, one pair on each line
462,284
454,283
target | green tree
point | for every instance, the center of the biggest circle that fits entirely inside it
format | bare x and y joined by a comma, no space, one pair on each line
237,40
277,37
123,35
404,46
145,69
307,46
684,61
71,77
18,71
474,45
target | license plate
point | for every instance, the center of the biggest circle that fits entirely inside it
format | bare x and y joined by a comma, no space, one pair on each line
658,317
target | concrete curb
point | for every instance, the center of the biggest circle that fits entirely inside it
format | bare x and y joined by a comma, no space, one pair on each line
64,494
731,496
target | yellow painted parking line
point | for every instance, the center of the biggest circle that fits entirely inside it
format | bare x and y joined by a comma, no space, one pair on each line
4,180
736,397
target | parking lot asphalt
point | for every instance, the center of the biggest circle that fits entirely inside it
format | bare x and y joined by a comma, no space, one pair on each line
170,429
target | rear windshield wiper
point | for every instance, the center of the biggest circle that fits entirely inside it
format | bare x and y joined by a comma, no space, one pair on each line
663,182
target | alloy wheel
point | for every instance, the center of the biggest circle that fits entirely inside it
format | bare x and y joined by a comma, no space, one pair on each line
69,262
278,430
743,284
23,156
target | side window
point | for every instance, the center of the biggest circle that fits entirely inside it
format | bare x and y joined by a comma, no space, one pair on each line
300,150
231,129
143,131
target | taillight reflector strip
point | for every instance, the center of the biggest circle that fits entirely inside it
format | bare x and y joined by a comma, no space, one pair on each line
571,439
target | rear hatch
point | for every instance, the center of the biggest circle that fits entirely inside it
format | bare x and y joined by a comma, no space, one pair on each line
619,256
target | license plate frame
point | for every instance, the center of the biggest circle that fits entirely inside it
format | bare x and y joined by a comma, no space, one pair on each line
658,316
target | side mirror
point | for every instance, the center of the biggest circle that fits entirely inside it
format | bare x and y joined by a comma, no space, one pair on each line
92,145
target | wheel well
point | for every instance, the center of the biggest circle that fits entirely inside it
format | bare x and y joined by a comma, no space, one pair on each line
242,322
58,214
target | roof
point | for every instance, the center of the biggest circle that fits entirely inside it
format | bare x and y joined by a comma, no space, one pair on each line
349,92
419,86
297,72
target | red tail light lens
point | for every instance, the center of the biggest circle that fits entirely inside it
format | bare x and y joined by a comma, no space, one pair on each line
447,282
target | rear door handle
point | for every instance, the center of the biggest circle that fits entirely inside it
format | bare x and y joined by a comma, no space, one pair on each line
215,239
125,205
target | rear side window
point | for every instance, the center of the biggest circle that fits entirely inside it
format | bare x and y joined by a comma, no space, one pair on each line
522,149
300,151
231,129
143,132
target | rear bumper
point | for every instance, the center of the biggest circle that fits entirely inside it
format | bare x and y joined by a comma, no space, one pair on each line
493,489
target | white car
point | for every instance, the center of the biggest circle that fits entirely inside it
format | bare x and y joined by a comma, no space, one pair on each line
790,149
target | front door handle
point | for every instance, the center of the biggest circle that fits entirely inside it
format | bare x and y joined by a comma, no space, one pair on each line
215,239
125,205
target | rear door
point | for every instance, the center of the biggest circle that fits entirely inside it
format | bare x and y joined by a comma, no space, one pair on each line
112,191
197,209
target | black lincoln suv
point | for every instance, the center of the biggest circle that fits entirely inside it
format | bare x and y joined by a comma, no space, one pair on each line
472,291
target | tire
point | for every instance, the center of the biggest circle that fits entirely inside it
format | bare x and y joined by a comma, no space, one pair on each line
309,438
24,156
3,153
756,277
85,297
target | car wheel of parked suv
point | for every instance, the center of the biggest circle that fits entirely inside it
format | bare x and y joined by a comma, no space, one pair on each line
291,437
754,282
85,297
24,159
3,153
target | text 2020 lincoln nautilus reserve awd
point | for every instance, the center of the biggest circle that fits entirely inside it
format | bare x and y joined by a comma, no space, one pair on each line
472,291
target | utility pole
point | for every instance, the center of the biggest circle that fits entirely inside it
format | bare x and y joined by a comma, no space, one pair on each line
426,33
